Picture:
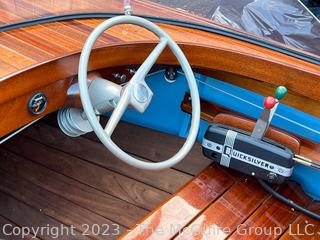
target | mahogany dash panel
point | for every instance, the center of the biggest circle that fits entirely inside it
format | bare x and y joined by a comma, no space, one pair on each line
15,114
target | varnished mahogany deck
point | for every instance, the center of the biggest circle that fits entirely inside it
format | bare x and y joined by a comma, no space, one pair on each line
215,205
50,179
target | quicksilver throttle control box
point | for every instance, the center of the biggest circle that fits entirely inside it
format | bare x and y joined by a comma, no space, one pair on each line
236,149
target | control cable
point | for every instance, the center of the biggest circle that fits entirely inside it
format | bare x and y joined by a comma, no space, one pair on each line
288,201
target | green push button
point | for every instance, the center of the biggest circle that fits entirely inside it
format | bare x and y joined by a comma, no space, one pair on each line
281,92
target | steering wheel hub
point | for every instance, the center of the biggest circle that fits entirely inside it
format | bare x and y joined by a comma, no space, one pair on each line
140,93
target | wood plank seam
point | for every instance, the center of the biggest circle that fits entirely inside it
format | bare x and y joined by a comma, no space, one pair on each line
94,139
80,206
118,172
249,215
265,200
204,213
208,206
56,149
5,220
288,214
114,159
2,215
85,160
144,158
32,207
300,215
54,214
74,179
61,196
133,231
157,136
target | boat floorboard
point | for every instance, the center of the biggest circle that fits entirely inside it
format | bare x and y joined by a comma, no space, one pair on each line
215,205
49,180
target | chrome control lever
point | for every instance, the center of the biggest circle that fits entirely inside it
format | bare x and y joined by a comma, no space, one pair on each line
270,106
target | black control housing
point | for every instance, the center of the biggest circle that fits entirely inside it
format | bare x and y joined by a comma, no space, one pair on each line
263,159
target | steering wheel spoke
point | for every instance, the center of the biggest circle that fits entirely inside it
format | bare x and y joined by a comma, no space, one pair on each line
118,111
150,61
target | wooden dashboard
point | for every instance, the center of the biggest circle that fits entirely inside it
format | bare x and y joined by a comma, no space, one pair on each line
44,58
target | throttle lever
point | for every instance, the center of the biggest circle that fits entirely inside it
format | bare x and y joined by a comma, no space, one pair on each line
270,106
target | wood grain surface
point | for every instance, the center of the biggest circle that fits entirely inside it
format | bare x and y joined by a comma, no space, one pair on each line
43,182
18,214
34,57
273,215
223,216
14,11
15,113
173,215
243,211
50,204
55,40
304,227
3,221
113,207
112,183
49,178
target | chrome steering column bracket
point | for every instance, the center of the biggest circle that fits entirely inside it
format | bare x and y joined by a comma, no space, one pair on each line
104,96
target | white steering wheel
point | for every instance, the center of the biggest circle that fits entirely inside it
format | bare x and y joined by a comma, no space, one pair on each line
136,92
